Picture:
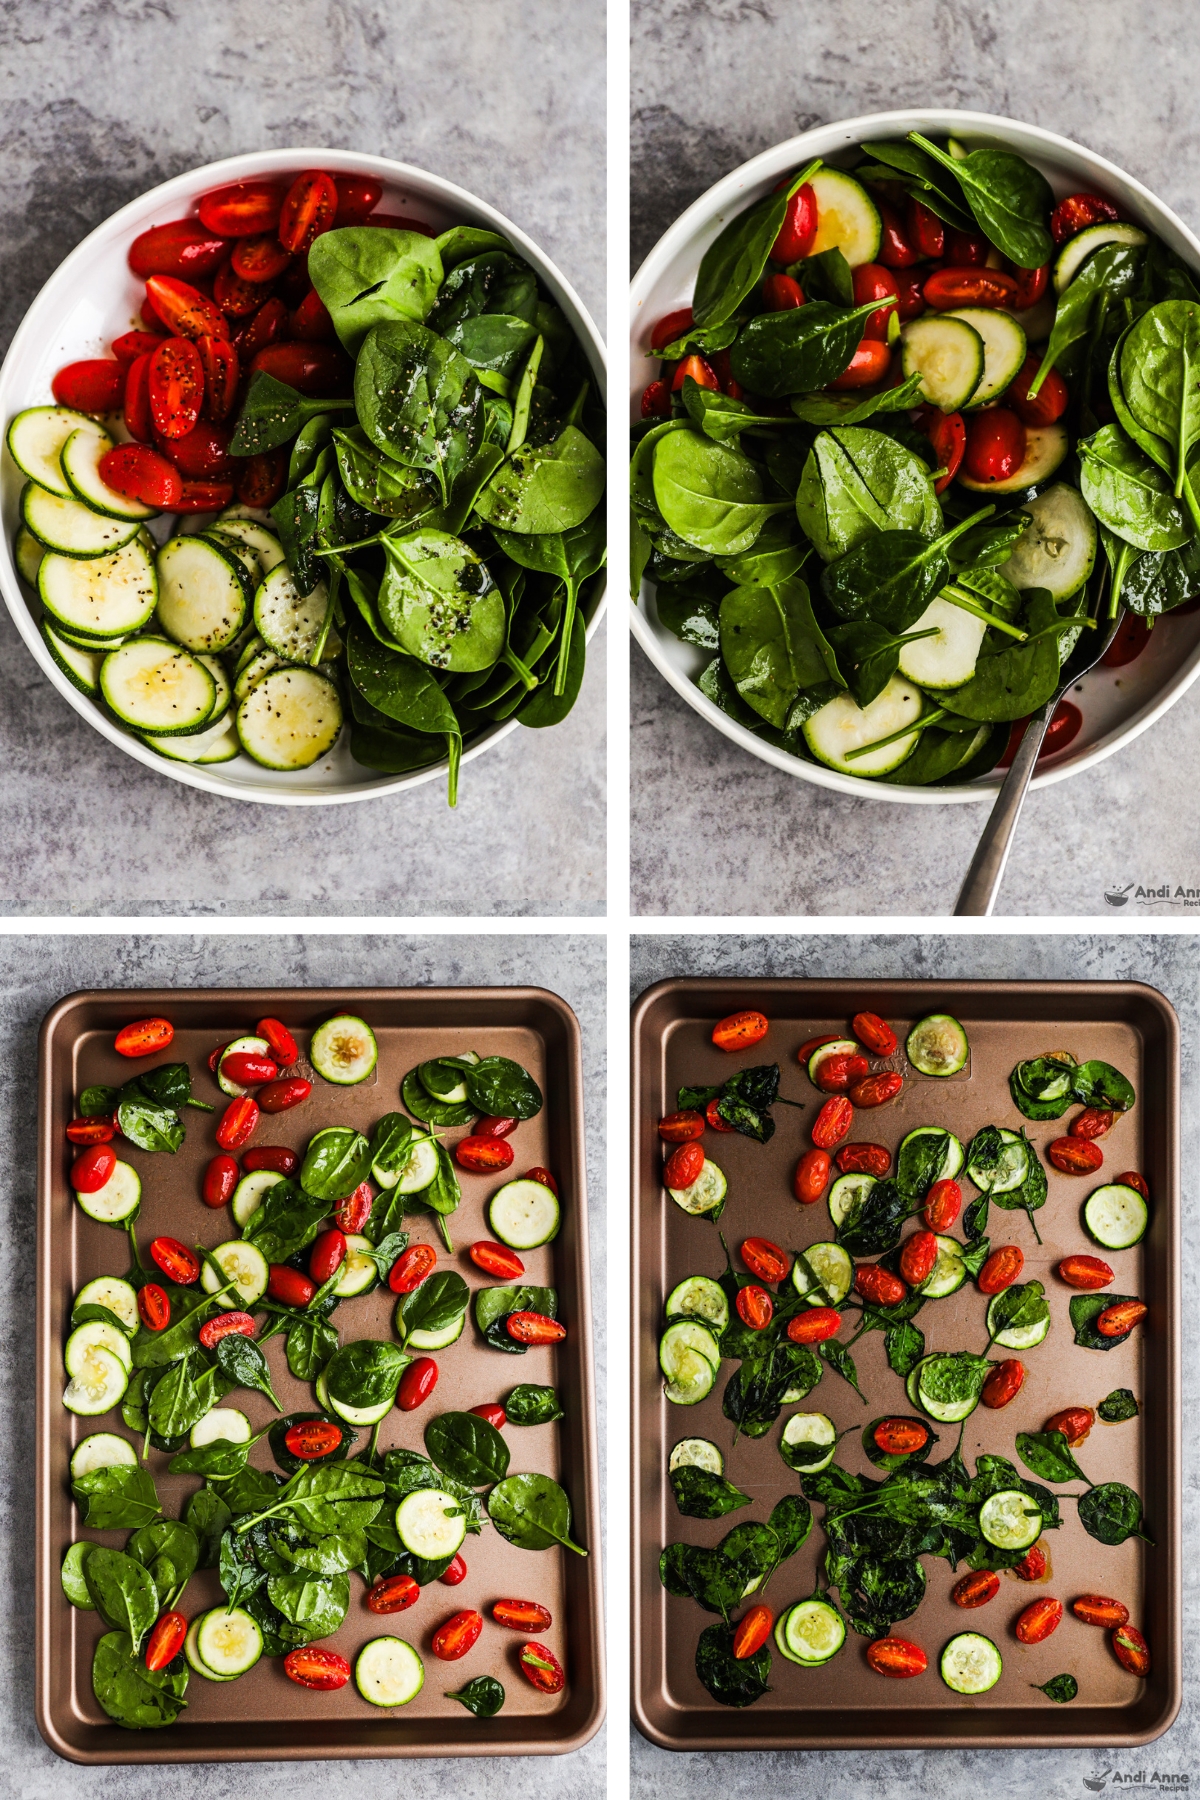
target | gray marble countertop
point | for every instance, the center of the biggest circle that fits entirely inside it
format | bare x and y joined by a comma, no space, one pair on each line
1170,965
35,972
99,103
718,81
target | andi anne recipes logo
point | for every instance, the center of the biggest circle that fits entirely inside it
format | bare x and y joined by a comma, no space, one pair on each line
1099,1783
1132,892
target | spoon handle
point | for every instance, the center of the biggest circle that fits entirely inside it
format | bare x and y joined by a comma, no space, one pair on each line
978,894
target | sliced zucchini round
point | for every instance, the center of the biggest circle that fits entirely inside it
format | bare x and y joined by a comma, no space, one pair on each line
838,1047
242,1264
35,440
74,1585
1019,1337
970,1663
263,544
289,719
221,682
155,686
80,460
699,1297
841,726
954,1158
288,622
937,1045
693,1379
239,510
120,1196
524,1214
1057,549
415,1174
105,596
1076,250
947,1412
221,1424
697,1453
686,1335
85,1338
1010,1520
113,1291
71,528
440,1339
243,1046
102,1450
1004,347
388,1672
81,667
831,1266
948,354
948,1273
229,1641
430,1524
847,218
248,1194
815,1431
202,600
27,554
707,1191
98,1384
1046,446
811,1632
343,1050
846,1197
215,744
947,660
358,1415
194,1658
252,672
1011,1169
1116,1216
358,1274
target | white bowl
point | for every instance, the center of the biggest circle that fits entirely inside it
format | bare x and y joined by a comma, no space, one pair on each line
93,296
1117,704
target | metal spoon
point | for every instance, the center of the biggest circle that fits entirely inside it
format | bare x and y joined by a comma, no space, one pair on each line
978,893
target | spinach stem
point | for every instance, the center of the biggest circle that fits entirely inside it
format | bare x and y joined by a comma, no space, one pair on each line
931,718
961,598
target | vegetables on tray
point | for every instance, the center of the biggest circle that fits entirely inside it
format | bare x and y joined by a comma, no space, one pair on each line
779,1324
393,448
919,428
170,1341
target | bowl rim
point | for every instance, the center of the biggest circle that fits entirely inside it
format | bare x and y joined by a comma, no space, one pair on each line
731,190
183,190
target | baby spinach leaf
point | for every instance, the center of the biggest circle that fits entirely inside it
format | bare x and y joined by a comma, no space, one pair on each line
378,483
324,1498
146,1123
1099,1084
872,654
1118,1405
90,1313
1158,364
1010,683
216,1461
338,1160
924,178
1048,1454
491,281
731,1680
170,1550
732,265
464,241
492,1303
1017,1308
1110,1513
852,409
273,412
873,1228
335,1554
1085,1309
1009,198
418,400
546,486
1059,1688
891,576
1128,493
857,483
500,1088
311,1342
773,647
955,1377
1107,277
484,1696
96,1100
439,603
905,1346
368,274
533,1512
366,1372
243,1364
391,1143
129,1692
170,1084
701,1495
532,1405
209,1517
182,1398
117,1499
287,1220
123,1592
428,1108
839,1359
468,1448
784,353
316,1605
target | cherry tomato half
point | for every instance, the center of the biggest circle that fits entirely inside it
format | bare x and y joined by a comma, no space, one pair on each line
242,210
94,386
238,1122
327,1255
91,1170
764,1259
354,1212
154,1308
497,1259
454,1572
872,281
681,1127
283,1045
176,387
312,1439
521,1615
183,309
539,1665
280,1096
799,227
417,1383
483,1155
183,247
282,1160
395,1594
312,1667
91,1131
140,473
740,1031
411,1268
537,1173
308,209
177,1262
866,367
534,1328
144,1038
229,1324
493,1412
166,1640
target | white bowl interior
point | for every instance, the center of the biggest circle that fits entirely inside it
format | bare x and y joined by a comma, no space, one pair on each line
93,296
1117,704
